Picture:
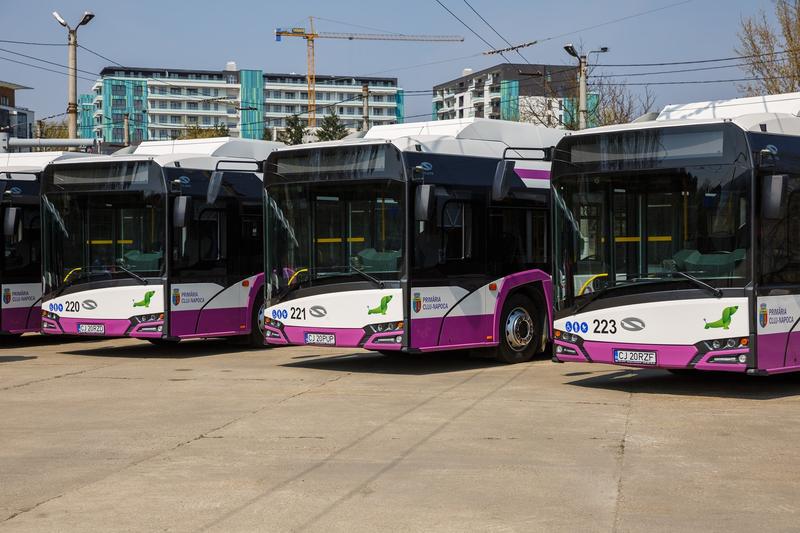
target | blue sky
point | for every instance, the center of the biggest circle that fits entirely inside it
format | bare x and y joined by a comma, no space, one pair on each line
206,34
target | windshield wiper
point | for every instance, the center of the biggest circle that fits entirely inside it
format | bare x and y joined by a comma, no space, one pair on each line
132,274
374,280
716,291
66,284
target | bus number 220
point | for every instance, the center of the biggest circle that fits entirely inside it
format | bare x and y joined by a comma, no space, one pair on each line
605,326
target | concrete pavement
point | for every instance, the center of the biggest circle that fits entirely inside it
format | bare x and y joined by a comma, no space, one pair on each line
206,436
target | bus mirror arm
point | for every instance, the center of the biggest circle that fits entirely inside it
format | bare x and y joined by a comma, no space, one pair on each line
11,223
773,187
424,202
181,208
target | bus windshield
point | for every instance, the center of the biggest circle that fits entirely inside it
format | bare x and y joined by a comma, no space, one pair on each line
625,214
327,232
102,222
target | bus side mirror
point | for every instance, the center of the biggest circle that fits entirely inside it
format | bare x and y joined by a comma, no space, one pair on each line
180,211
11,217
772,190
424,203
505,179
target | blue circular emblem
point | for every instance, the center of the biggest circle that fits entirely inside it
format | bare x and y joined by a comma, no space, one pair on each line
568,327
584,327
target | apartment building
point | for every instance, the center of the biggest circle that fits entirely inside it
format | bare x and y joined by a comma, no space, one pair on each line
162,103
509,91
18,121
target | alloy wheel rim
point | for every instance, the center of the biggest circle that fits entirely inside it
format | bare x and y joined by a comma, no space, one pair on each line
519,329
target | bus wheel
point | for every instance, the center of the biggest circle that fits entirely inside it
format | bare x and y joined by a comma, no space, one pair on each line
257,338
520,332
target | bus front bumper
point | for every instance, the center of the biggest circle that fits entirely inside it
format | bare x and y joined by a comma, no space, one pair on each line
145,329
279,334
665,356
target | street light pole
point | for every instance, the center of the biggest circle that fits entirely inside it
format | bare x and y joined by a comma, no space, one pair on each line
583,74
72,64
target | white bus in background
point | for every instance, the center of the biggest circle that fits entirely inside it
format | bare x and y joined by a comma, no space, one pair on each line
21,257
161,243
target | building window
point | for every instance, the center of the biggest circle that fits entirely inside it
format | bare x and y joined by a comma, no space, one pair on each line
206,106
191,120
137,105
138,90
231,110
191,91
206,120
118,89
174,90
288,109
206,91
288,95
176,105
191,105
174,119
118,102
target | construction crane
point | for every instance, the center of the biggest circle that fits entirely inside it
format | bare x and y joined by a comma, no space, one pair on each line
310,36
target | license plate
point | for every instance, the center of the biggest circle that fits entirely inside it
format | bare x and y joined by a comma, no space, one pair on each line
92,329
635,357
320,338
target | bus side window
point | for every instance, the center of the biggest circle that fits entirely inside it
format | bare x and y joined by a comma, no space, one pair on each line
456,230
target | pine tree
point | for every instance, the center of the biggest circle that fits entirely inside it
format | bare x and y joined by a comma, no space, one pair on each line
295,131
332,129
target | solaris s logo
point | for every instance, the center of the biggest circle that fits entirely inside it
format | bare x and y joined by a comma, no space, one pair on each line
6,296
176,297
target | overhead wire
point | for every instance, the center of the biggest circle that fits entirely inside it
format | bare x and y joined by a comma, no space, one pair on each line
495,31
490,45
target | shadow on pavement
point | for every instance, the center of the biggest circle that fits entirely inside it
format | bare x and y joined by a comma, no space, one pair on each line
181,350
15,358
408,364
711,384
34,340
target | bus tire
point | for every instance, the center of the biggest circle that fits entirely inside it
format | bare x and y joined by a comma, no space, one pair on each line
521,330
257,338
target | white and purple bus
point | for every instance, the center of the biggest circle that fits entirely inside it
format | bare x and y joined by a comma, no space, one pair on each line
163,243
20,260
677,240
415,238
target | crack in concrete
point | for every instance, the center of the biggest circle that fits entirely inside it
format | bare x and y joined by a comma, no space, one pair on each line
59,376
620,499
31,508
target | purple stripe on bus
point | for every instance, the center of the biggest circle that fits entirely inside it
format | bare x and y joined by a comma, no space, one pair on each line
458,332
530,173
772,349
21,319
211,322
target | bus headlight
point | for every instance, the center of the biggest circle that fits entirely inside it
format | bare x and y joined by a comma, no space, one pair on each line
385,327
566,336
731,343
271,322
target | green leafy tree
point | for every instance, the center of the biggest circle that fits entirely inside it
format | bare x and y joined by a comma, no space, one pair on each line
332,129
267,136
197,132
295,131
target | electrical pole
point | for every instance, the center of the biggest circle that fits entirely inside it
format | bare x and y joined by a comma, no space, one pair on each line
365,105
72,71
126,122
582,73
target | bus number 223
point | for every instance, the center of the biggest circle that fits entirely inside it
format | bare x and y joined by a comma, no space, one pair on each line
605,326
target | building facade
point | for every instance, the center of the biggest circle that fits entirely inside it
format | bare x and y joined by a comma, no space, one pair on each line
509,91
163,103
17,121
